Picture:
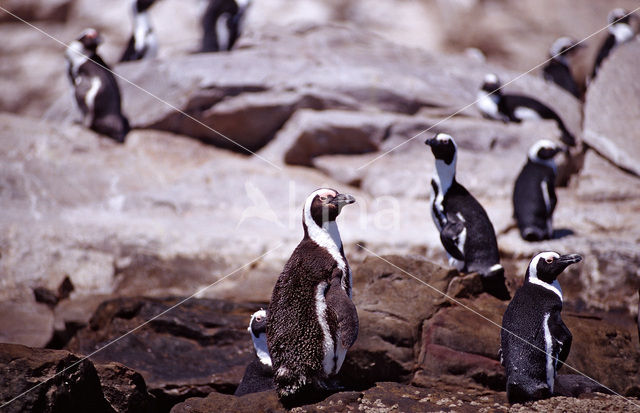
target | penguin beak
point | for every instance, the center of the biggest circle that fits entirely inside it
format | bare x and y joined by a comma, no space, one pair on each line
569,259
343,199
431,141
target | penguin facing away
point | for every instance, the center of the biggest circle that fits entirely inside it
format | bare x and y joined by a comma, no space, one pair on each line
620,31
533,337
95,88
222,24
258,375
311,320
142,43
494,104
557,70
534,195
465,229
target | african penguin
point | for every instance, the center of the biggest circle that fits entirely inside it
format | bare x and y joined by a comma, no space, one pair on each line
620,31
494,104
222,24
557,69
311,320
95,88
258,376
534,195
533,336
465,229
142,43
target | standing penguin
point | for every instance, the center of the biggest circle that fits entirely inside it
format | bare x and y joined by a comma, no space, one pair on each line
620,31
258,376
533,337
534,195
465,229
222,24
311,320
494,104
95,88
557,69
142,43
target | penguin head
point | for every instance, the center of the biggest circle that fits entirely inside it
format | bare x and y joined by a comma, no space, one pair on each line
546,266
491,84
140,6
619,16
543,151
564,46
90,39
443,147
258,330
324,205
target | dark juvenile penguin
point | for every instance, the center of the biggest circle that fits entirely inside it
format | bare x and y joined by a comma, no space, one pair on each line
258,376
95,88
142,43
494,104
465,229
534,195
311,320
620,31
533,336
557,69
222,24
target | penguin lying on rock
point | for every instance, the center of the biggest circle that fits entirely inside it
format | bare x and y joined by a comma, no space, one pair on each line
258,376
534,195
620,31
494,104
533,337
557,69
465,229
95,88
311,320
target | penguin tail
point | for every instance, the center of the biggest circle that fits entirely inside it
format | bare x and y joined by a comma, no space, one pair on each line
533,234
494,283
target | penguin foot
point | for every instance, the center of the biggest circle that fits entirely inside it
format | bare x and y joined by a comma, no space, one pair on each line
518,393
532,234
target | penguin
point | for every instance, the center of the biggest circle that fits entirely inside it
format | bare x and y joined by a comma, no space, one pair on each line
465,230
534,195
620,31
258,376
311,320
493,104
533,337
142,43
222,24
557,69
95,88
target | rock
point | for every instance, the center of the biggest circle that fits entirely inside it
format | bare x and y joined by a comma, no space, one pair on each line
36,10
612,109
50,380
198,347
125,389
586,403
391,306
26,322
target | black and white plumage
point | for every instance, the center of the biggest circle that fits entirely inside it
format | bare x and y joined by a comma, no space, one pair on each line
311,320
142,43
222,24
533,337
258,375
534,195
95,88
465,229
494,104
620,31
557,69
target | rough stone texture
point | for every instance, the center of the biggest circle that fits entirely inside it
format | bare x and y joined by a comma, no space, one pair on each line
30,10
197,347
25,322
27,374
391,306
612,109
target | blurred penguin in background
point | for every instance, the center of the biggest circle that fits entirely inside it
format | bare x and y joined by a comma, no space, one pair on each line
142,43
222,24
558,69
620,31
95,88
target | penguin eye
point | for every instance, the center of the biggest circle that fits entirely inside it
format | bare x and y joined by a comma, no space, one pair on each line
258,319
549,260
323,198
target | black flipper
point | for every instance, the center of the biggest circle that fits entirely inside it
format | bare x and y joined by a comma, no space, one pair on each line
345,311
450,237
